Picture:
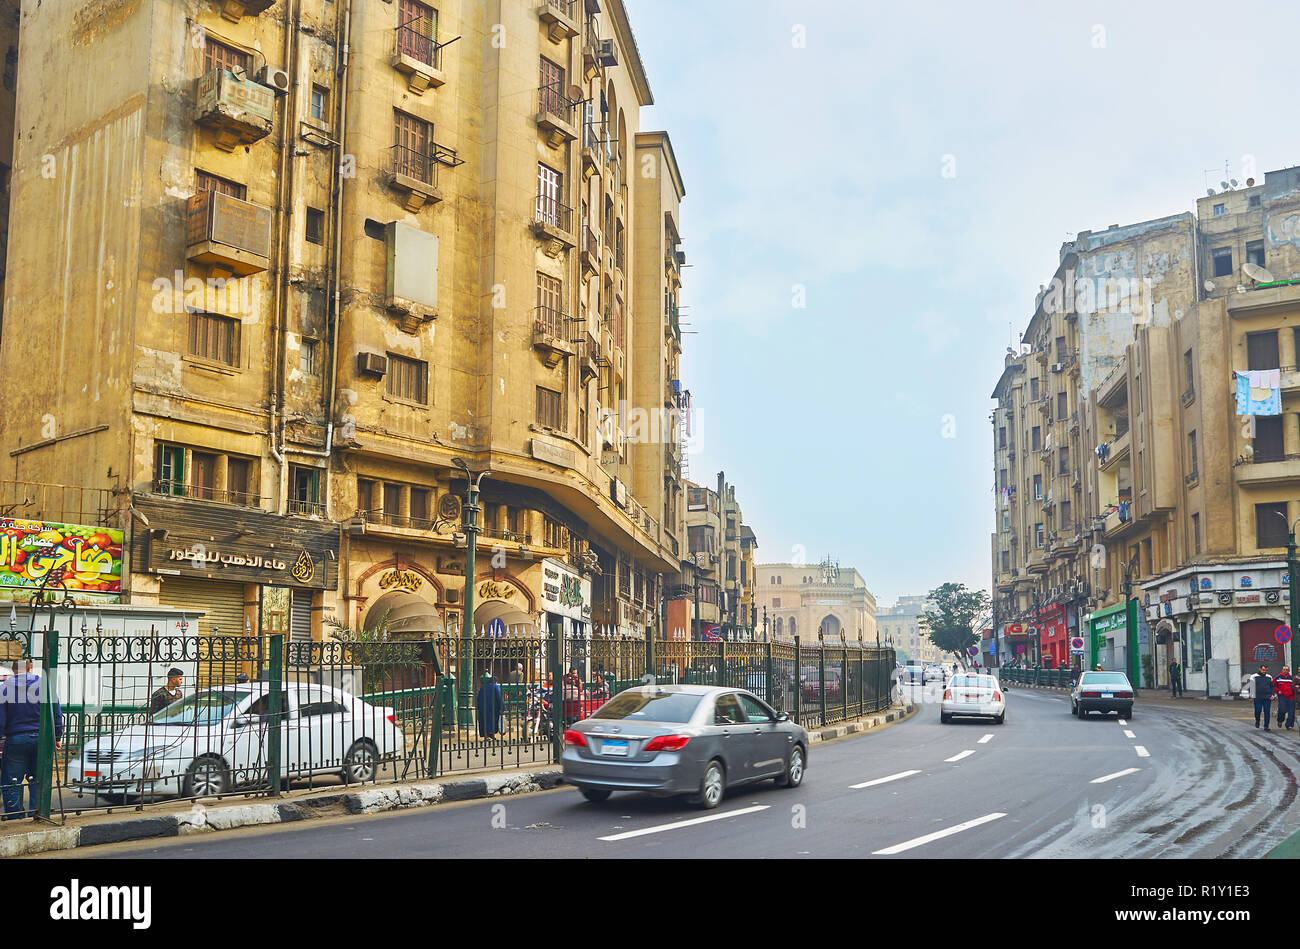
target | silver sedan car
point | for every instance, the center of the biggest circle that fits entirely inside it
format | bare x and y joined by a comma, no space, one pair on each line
683,739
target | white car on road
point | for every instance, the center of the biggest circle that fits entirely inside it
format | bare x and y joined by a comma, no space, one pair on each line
973,695
217,739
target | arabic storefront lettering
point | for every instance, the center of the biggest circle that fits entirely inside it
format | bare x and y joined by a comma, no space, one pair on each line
199,556
401,580
86,558
491,590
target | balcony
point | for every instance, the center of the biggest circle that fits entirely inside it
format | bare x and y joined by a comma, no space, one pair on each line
1116,451
305,508
590,252
236,111
594,144
589,364
1264,471
550,335
414,175
227,235
235,10
590,48
553,223
556,115
559,19
418,54
199,492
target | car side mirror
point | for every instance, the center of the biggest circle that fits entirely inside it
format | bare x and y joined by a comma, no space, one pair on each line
783,717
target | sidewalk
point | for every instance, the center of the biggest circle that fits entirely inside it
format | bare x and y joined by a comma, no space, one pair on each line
182,818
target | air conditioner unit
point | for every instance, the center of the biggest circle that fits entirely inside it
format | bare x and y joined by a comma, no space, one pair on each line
276,79
1058,367
607,54
372,364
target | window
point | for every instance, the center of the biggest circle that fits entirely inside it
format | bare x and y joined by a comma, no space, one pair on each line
315,226
1002,478
320,103
1038,535
515,521
417,33
239,478
1033,390
408,379
1271,525
1062,405
312,709
171,470
206,182
1196,533
549,408
1189,369
1254,201
1006,560
776,602
1065,515
553,534
549,191
1191,455
1222,261
1255,253
1261,350
1036,441
1038,487
550,305
551,82
304,488
419,504
365,494
214,337
1064,461
203,475
392,500
1268,438
413,139
218,55
1219,209
308,355
1002,437
792,626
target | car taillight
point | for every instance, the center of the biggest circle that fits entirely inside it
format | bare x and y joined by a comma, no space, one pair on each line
1123,695
392,719
667,743
574,738
997,696
947,694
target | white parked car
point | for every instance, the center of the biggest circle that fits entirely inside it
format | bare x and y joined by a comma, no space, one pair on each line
975,695
216,739
933,673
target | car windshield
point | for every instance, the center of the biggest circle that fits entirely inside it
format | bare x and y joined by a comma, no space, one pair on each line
1105,678
974,682
202,708
638,706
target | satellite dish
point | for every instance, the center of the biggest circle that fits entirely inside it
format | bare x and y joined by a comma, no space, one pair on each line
1209,192
1257,273
1209,286
1233,182
1223,185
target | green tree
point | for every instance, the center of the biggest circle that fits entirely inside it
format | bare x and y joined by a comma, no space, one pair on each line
950,622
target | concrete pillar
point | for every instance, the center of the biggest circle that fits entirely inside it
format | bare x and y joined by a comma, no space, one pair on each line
1286,353
1291,433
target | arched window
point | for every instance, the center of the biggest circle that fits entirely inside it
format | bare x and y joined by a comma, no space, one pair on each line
778,626
771,581
791,625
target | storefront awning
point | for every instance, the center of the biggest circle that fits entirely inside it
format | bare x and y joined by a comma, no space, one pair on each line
408,614
518,623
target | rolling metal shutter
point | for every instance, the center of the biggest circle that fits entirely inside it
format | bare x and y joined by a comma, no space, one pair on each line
222,604
300,617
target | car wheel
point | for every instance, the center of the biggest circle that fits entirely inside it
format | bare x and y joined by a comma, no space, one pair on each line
999,719
1074,709
712,786
792,777
1128,712
359,763
596,796
206,777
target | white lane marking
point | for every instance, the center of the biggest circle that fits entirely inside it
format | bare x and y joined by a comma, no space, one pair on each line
960,755
886,780
937,835
985,740
686,823
1129,734
1121,721
1142,752
1111,777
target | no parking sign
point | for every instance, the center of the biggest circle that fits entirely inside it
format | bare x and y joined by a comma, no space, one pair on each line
1282,634
1076,646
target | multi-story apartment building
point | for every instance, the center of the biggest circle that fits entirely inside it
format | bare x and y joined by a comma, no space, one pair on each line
719,560
292,265
1184,502
900,624
808,600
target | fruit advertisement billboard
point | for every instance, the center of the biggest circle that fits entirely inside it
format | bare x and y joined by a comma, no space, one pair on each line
90,559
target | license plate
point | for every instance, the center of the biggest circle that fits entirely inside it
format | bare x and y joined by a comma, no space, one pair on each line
972,698
1108,695
616,748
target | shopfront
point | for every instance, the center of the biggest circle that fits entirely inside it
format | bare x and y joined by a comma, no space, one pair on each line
248,572
1053,643
1108,645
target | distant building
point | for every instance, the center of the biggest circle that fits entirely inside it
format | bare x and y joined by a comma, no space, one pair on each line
805,599
901,624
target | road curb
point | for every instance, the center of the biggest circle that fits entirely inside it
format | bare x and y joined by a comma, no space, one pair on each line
205,820
862,725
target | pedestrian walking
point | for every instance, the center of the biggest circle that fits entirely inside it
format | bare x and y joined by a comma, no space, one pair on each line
489,704
1175,678
1261,690
1284,686
20,725
169,693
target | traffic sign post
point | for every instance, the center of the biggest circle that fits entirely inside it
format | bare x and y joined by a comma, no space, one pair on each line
1282,634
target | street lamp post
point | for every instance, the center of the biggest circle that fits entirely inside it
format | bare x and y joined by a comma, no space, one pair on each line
466,663
1130,624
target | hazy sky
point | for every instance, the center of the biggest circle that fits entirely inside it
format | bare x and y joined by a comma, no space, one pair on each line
823,167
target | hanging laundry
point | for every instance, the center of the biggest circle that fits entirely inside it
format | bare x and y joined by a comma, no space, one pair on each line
1259,392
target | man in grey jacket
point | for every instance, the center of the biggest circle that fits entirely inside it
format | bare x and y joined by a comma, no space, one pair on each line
1261,690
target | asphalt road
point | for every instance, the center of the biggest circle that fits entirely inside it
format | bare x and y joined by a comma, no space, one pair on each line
1168,783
